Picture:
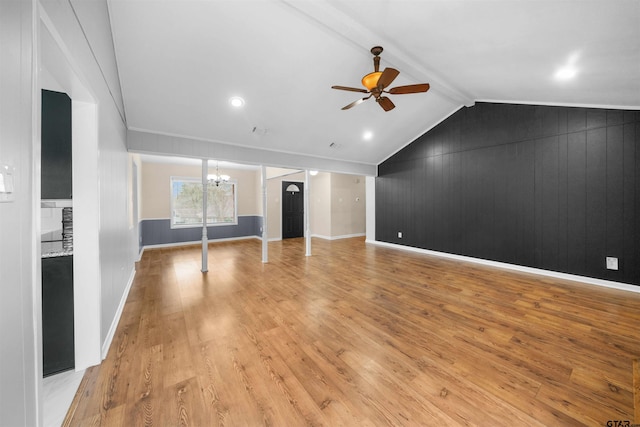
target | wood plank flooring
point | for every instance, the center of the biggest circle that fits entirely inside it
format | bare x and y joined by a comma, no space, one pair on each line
359,335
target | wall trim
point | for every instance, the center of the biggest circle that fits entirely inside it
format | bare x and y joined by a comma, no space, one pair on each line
195,242
208,225
116,319
562,104
514,267
344,236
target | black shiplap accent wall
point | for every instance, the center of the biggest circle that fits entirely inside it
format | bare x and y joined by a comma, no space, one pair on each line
555,188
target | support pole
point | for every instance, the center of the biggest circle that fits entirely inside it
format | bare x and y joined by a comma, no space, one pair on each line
265,238
307,222
205,239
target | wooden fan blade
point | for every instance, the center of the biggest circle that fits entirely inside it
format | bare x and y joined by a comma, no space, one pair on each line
385,103
351,89
409,89
354,103
388,75
399,90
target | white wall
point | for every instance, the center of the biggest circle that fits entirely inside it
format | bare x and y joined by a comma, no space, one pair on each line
348,199
20,356
320,205
20,305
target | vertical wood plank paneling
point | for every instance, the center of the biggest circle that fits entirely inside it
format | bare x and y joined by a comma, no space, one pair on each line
630,213
631,202
508,205
538,197
526,176
563,201
500,218
549,226
429,216
438,202
636,255
596,200
422,202
489,203
469,203
446,204
457,238
576,202
548,187
614,198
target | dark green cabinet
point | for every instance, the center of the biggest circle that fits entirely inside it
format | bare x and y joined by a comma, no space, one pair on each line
56,146
58,351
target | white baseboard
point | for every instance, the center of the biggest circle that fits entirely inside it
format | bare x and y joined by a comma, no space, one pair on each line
344,236
506,266
195,242
116,318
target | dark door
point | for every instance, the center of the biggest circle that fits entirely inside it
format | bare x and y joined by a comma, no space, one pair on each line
56,146
292,209
58,351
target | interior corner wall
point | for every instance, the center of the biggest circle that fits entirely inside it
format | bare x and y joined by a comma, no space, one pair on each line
320,205
348,205
553,188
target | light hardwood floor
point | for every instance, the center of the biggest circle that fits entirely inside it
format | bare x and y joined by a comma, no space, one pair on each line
359,335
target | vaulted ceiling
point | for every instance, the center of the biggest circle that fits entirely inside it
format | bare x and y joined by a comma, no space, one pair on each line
179,63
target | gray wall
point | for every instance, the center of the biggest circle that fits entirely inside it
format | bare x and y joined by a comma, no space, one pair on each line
159,231
554,188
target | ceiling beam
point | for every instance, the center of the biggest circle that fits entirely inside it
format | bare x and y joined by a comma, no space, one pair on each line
326,14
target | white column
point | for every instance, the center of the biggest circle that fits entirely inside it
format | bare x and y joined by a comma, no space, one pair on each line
307,222
265,238
205,238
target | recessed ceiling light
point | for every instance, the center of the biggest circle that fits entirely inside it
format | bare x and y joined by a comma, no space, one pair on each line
569,70
566,73
367,135
313,173
236,101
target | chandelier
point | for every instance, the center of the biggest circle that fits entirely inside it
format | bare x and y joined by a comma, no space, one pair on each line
218,179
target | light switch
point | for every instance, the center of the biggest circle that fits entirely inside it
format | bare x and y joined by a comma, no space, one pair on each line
6,183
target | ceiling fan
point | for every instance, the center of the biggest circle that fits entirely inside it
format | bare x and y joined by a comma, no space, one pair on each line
377,82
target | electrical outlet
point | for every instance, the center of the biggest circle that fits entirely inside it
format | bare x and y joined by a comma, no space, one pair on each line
612,263
399,234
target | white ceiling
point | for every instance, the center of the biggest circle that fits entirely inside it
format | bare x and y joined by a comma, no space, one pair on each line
179,62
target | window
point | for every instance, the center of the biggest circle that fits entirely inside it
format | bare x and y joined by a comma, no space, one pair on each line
186,203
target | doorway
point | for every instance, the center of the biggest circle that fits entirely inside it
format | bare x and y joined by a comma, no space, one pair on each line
292,209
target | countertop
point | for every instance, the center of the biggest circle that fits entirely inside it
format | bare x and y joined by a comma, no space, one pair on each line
54,249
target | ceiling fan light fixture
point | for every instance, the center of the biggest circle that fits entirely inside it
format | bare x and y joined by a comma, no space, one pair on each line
370,81
377,82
